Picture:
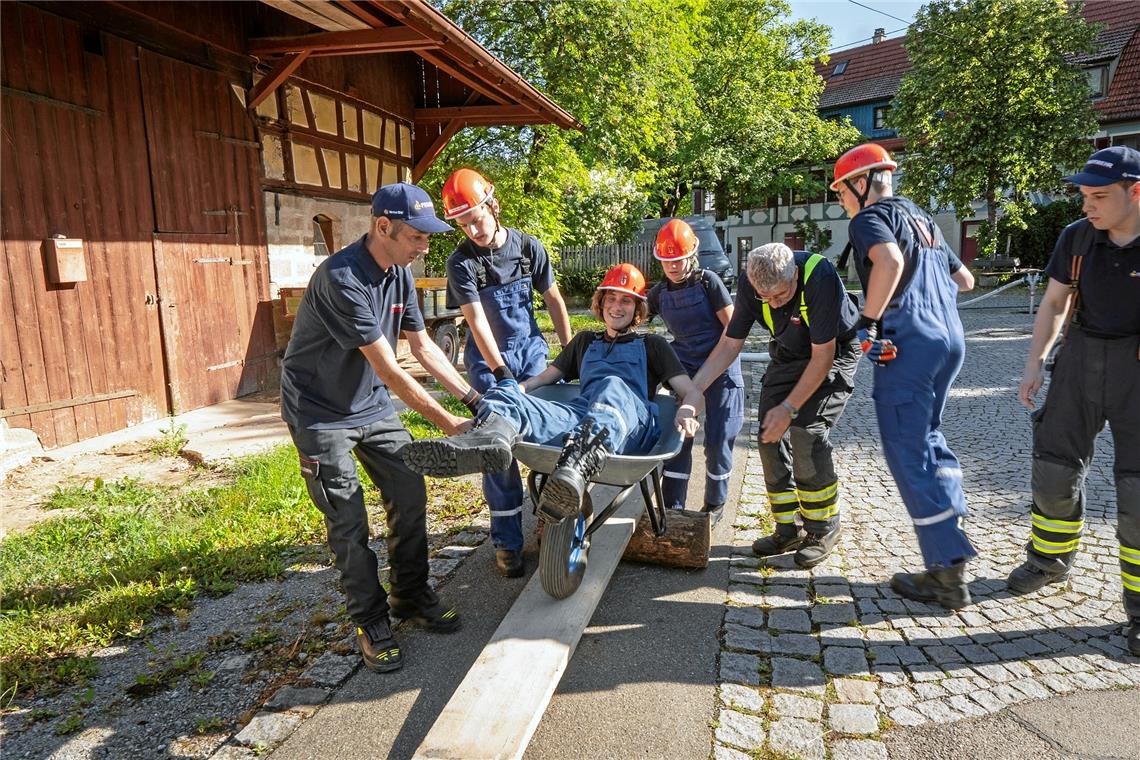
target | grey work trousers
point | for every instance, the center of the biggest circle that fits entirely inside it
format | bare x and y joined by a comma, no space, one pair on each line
330,475
1095,380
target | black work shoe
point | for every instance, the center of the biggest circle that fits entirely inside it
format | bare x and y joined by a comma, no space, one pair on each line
714,511
484,448
509,563
425,609
1133,636
945,586
1029,577
777,543
581,459
815,548
378,647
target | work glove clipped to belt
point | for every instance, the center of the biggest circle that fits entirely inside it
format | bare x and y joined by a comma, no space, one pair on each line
878,350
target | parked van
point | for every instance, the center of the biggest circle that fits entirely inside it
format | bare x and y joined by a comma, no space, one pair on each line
710,253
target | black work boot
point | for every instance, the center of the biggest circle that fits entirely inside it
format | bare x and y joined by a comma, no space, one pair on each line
1133,637
1028,577
778,543
714,511
486,447
581,459
378,647
425,609
816,547
509,563
947,586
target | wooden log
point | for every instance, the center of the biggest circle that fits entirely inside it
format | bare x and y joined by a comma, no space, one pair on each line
686,543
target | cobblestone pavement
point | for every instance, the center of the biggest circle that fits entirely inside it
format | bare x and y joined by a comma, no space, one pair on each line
823,661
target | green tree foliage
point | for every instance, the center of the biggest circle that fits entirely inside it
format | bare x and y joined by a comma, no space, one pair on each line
757,94
994,107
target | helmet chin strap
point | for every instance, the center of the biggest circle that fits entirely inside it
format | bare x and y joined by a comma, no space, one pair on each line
861,196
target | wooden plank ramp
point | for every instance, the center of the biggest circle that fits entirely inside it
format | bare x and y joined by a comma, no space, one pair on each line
496,709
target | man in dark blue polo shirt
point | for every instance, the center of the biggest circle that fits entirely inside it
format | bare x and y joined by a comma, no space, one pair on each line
336,379
801,300
1094,277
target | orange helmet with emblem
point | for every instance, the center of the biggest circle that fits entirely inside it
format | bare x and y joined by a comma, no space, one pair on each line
860,160
625,278
675,240
464,190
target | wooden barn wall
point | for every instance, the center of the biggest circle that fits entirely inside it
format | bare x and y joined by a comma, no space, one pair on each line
74,162
388,81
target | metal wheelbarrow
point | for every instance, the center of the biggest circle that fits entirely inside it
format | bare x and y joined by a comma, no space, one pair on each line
565,545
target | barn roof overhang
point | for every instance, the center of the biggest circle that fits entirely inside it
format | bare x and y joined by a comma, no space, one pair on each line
487,91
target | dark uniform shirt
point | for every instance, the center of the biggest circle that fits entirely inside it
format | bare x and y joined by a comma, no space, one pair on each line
832,313
714,288
1109,281
660,361
326,381
464,263
885,222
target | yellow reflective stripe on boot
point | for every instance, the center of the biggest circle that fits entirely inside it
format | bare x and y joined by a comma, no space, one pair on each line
1131,582
1128,554
824,494
1054,547
831,510
827,499
1057,526
782,497
783,505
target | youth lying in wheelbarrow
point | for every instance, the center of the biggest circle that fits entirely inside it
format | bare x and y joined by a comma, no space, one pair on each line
619,373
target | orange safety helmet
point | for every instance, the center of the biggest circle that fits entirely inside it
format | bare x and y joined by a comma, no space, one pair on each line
625,278
676,240
859,160
464,190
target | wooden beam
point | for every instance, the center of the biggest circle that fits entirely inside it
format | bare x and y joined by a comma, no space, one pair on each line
320,14
438,144
275,78
495,710
455,72
429,115
388,40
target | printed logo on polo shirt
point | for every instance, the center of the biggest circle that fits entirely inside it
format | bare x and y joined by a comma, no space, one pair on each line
796,320
398,308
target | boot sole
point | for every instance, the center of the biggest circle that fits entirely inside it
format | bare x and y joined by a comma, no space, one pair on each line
807,564
786,550
908,593
1019,590
439,458
435,626
561,496
383,666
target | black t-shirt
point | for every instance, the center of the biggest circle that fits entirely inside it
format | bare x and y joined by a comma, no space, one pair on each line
326,381
1109,280
832,312
884,221
714,287
660,361
506,265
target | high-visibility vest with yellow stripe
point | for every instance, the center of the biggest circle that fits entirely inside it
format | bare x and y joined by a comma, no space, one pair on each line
809,267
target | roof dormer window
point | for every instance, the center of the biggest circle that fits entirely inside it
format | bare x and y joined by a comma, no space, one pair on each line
1098,81
839,68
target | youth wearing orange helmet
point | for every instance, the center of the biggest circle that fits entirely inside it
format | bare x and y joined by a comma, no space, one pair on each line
696,307
619,372
492,277
911,332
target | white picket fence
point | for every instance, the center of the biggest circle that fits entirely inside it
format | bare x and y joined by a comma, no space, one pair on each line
589,257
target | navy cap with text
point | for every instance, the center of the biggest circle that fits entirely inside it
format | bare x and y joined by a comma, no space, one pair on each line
410,204
1108,166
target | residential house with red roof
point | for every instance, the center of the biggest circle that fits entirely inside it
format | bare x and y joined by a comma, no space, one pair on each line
860,85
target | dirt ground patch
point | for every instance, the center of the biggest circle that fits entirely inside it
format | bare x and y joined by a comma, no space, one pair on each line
26,489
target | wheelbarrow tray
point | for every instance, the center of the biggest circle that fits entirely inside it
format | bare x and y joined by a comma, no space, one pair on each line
620,469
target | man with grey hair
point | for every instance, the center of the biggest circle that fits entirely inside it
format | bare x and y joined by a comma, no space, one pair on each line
801,300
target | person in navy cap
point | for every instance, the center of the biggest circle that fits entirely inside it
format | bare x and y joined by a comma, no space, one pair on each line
1094,297
337,378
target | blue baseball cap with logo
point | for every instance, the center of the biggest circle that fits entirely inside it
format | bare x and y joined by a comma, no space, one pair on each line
410,204
1108,166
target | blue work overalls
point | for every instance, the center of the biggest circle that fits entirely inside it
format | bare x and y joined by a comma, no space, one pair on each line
613,392
910,395
696,329
509,310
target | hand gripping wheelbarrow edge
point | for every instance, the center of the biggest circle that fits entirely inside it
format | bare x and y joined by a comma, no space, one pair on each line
566,544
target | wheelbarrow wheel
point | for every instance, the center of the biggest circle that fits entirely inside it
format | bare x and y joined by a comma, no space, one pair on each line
563,553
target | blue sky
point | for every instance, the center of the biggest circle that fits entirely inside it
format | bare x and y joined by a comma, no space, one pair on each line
853,25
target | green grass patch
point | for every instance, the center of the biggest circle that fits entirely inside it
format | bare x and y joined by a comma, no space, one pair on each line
130,551
169,442
421,427
578,322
